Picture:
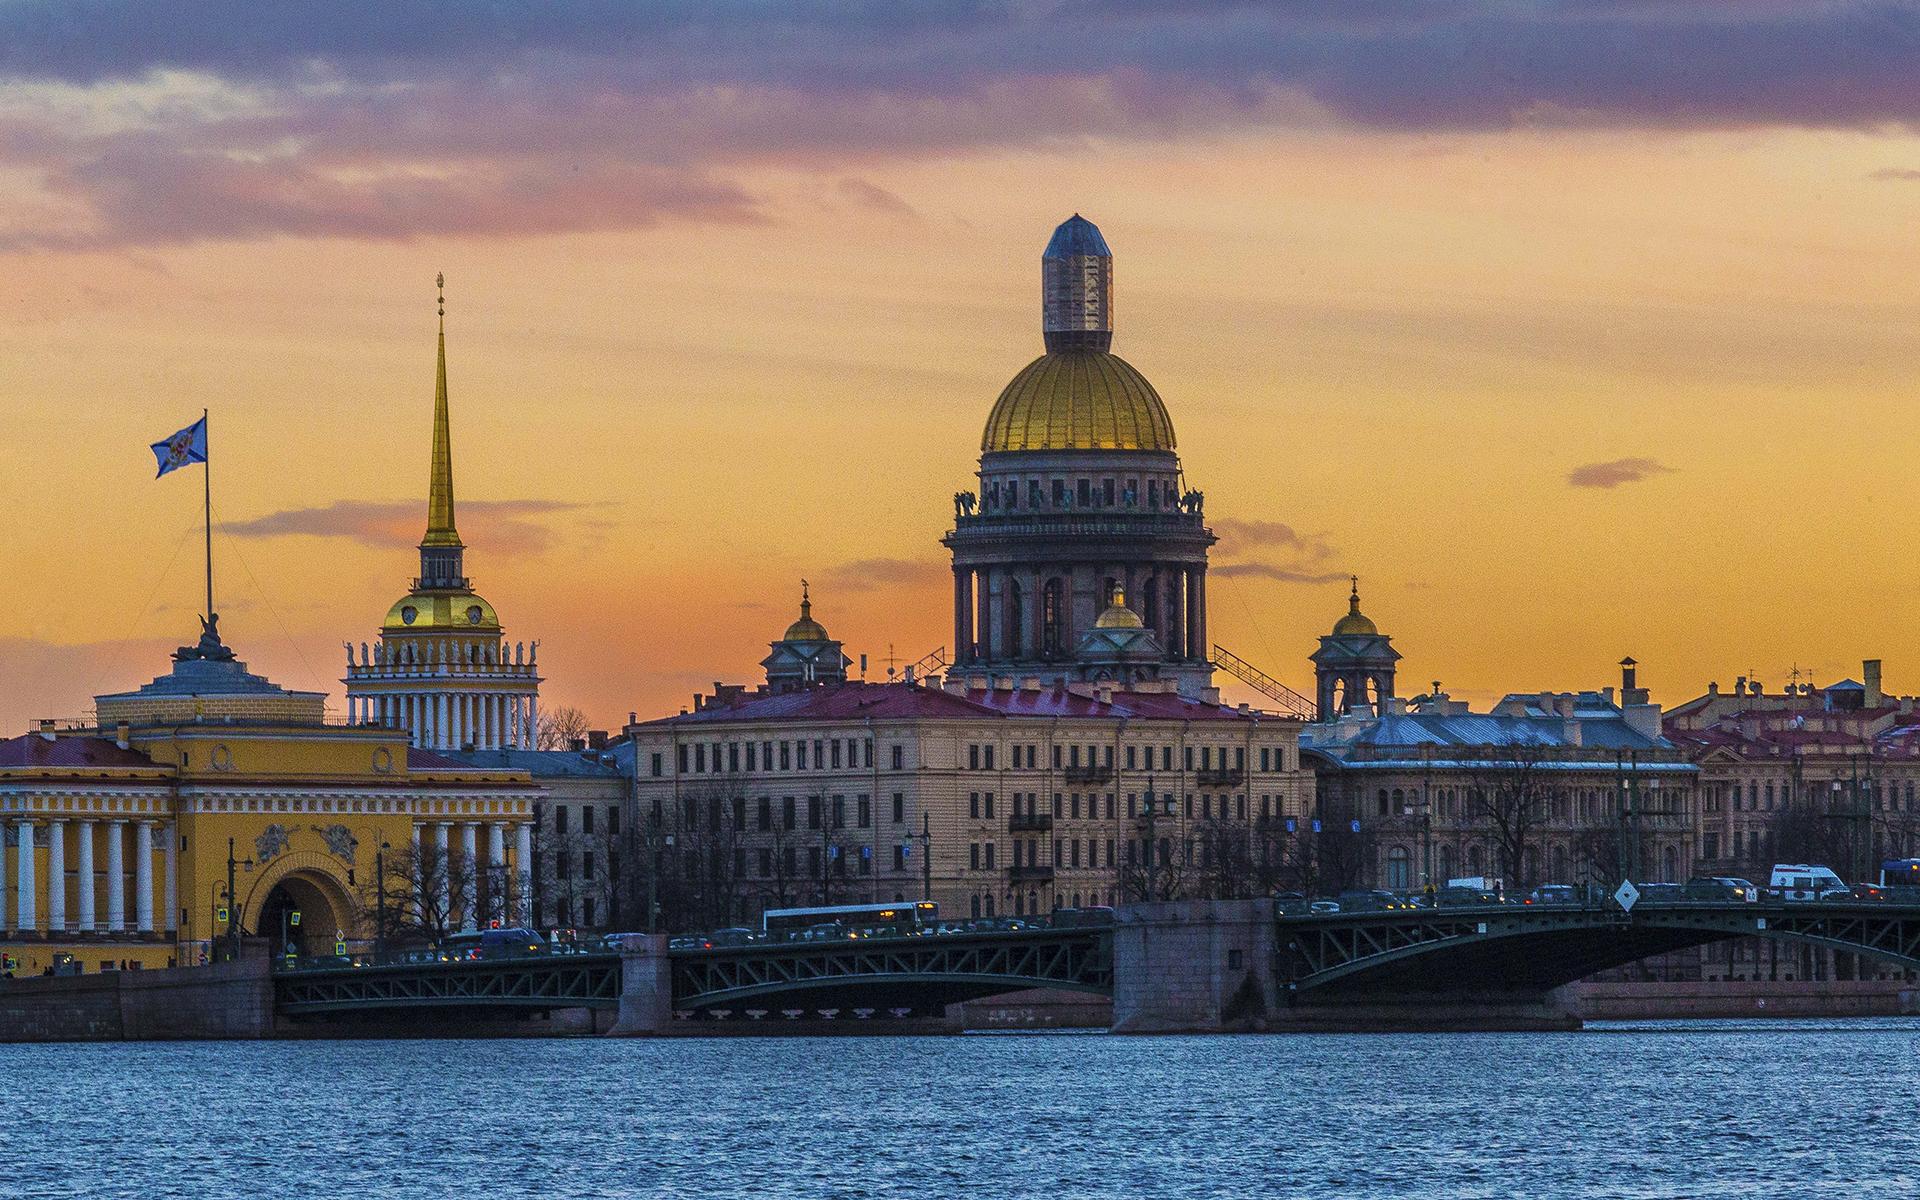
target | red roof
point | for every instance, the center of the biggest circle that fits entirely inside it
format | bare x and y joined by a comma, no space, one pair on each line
32,750
841,703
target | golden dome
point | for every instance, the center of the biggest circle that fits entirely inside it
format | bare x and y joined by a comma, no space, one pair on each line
443,611
1078,400
1118,615
806,629
1355,623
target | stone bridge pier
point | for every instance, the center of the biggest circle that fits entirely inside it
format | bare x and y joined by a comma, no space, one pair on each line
1195,966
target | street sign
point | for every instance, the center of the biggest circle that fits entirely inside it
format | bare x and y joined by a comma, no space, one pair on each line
1626,895
293,918
222,911
340,948
1356,825
1316,824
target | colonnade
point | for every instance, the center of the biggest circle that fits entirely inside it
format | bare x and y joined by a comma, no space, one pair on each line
444,720
465,906
1007,613
20,907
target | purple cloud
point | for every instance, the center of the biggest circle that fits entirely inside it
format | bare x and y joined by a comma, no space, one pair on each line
508,526
1613,473
138,123
1285,554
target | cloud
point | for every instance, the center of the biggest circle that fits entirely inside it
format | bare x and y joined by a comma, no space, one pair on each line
1616,472
866,574
1276,571
508,526
1290,556
1895,175
124,122
874,197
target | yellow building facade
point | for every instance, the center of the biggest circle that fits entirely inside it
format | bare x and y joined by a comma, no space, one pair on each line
122,833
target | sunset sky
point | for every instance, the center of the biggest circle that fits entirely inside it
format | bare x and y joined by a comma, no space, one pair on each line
1576,329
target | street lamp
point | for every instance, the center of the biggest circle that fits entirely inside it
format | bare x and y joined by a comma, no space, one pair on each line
233,903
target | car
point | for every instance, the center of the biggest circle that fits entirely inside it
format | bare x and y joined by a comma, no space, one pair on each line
1321,908
1808,881
1553,893
1721,887
1872,892
734,935
1371,900
1660,893
1453,896
1078,918
825,932
1289,904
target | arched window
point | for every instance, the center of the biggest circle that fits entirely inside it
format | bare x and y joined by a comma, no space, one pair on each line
1448,861
1399,869
1474,861
1670,865
975,906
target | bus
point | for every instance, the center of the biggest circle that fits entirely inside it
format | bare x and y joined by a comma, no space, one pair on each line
1900,872
902,918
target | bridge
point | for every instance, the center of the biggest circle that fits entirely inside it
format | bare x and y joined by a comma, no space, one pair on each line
1199,965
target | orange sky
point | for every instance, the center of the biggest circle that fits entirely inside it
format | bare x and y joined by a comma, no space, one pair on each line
1397,344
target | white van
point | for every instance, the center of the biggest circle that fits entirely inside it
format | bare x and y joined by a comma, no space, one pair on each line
1803,881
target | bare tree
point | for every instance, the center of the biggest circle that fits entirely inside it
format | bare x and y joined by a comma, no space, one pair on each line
423,893
1509,789
560,728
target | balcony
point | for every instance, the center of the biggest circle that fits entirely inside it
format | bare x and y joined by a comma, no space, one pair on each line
1221,776
1030,823
1089,774
1030,874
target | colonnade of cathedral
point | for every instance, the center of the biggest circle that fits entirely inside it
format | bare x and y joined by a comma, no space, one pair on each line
101,895
1015,613
465,906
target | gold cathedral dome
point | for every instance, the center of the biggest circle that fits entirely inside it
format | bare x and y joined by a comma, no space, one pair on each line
1078,400
806,629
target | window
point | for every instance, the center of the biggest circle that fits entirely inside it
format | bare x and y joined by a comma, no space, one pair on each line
836,754
787,811
586,821
1187,757
819,759
1056,806
1399,869
739,815
751,757
657,765
869,752
899,858
866,812
586,866
839,812
899,757
700,758
560,818
990,846
765,821
1129,758
973,805
987,755
1056,852
733,756
813,812
973,757
899,807
1166,758
786,756
973,855
680,759
989,805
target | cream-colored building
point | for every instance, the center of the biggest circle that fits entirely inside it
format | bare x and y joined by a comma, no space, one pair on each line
990,801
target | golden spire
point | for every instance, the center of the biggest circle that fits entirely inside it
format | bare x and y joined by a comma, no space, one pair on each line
440,528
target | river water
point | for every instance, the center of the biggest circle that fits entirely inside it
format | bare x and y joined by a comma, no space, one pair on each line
1750,1109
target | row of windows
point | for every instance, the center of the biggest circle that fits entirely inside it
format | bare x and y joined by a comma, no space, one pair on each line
1137,758
1068,806
820,810
796,754
610,822
1083,492
1758,797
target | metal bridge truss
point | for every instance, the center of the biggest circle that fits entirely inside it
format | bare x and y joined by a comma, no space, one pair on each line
570,981
949,967
1463,949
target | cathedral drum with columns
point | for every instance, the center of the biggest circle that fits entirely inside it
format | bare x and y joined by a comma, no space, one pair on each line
441,670
1082,507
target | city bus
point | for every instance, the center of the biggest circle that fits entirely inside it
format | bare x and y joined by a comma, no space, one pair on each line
899,919
1900,872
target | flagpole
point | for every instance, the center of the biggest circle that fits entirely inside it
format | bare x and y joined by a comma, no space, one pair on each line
206,466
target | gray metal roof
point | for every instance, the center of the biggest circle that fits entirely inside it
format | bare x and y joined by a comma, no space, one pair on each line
1077,235
543,763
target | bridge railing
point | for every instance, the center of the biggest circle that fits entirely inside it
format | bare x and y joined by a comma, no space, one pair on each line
446,955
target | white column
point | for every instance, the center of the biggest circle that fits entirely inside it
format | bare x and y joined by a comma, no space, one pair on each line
440,833
143,876
485,740
523,870
533,722
56,876
24,915
172,835
470,852
89,913
441,717
513,722
116,878
497,869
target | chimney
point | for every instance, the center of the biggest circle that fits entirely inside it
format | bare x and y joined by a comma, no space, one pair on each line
1627,673
1740,685
1870,675
596,739
46,730
120,733
633,718
1104,693
1631,693
1713,689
